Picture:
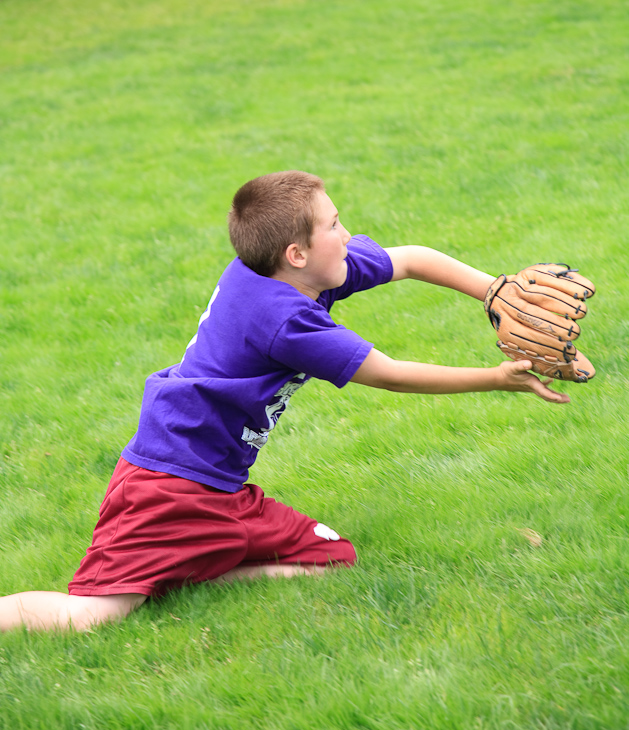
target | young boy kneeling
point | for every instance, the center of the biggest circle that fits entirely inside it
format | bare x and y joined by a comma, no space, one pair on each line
179,509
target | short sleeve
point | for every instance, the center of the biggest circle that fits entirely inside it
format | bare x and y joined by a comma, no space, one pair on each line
312,343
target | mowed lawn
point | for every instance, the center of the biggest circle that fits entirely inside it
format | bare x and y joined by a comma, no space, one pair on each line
496,132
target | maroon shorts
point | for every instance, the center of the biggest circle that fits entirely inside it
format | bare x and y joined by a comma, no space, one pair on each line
157,531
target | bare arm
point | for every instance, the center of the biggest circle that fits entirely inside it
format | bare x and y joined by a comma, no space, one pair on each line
380,371
434,267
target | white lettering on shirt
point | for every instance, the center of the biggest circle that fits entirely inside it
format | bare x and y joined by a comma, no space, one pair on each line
273,411
202,319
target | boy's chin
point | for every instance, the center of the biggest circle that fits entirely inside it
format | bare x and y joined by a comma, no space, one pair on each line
339,281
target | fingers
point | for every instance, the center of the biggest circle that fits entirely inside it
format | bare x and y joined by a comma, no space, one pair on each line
521,380
547,298
551,396
541,389
524,337
560,278
524,309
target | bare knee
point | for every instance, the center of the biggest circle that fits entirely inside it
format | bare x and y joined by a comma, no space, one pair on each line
270,570
85,612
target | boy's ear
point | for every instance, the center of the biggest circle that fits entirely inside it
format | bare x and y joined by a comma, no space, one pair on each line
295,256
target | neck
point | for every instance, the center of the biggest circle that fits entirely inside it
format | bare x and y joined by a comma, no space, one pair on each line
297,282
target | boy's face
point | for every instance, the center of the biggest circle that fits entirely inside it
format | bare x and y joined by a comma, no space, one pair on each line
326,265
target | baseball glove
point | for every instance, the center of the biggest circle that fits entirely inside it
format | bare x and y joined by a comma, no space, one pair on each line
535,314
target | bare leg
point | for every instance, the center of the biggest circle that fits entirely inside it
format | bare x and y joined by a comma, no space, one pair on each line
44,610
273,570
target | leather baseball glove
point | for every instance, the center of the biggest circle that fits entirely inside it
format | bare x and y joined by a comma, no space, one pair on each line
535,314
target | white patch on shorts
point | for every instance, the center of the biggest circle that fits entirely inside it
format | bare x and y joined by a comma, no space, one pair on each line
321,530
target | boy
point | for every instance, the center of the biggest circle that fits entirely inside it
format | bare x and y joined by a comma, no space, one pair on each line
179,508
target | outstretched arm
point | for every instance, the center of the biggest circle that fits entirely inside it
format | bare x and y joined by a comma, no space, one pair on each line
434,267
380,371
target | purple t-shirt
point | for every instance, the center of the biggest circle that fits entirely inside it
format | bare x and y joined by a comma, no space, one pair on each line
258,341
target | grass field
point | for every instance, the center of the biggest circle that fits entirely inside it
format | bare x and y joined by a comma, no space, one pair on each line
496,132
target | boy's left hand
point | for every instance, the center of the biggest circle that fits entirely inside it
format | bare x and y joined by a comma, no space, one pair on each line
513,376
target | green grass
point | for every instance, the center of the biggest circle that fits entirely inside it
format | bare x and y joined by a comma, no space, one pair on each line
497,132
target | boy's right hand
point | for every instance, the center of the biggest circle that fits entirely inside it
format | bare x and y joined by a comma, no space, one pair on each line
513,376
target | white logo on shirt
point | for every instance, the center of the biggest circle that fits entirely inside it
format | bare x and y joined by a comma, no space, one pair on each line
276,407
253,438
273,411
327,533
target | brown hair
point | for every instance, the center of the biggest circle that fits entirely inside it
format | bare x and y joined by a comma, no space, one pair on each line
271,212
